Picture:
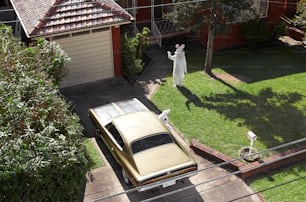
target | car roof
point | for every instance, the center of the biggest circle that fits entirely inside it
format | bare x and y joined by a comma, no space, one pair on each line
106,113
138,125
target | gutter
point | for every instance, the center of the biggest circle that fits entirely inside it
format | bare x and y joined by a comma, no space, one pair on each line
76,30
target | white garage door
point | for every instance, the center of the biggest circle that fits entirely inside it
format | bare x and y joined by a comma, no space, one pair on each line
91,57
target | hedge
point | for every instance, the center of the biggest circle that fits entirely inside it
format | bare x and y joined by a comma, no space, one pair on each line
41,152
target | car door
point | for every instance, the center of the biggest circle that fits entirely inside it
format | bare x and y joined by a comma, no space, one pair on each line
116,144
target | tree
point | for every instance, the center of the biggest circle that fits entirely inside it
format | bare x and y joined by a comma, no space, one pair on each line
216,14
300,15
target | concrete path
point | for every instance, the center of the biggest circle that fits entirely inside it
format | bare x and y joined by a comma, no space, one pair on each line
155,73
105,184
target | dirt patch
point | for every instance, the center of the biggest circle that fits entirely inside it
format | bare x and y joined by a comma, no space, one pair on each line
232,78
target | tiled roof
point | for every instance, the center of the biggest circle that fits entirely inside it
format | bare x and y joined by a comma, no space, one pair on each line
47,17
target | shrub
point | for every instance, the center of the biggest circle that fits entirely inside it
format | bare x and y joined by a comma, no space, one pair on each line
255,31
53,60
300,15
41,152
132,53
280,29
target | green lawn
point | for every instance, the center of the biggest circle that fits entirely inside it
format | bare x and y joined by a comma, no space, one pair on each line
93,154
271,101
290,181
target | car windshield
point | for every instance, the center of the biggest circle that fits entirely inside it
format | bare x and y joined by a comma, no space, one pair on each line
150,142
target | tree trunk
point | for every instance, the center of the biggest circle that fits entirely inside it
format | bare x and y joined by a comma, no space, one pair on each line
210,49
210,40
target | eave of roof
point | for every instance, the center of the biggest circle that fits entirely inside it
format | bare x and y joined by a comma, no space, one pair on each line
49,17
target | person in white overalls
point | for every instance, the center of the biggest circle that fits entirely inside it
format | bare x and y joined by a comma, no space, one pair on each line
179,64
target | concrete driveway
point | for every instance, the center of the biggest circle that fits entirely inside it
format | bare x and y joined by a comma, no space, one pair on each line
214,184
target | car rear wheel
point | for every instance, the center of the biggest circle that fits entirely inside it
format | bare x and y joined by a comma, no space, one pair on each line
125,177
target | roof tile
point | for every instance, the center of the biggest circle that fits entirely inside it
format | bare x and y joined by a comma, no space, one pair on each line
47,17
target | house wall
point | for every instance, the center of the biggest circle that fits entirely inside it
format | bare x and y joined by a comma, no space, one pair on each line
291,8
143,14
116,40
276,9
232,39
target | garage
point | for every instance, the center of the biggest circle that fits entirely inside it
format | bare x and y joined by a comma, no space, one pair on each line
91,56
89,31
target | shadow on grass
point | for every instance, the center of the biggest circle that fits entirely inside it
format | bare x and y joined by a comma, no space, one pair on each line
191,98
194,99
272,116
273,61
262,64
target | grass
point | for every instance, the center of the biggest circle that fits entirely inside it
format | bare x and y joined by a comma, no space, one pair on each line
93,154
219,113
290,181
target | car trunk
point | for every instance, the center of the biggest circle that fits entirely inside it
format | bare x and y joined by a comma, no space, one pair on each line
158,160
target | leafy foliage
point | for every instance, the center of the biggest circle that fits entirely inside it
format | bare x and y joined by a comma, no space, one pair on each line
53,59
216,14
255,31
280,29
132,52
46,57
40,139
300,16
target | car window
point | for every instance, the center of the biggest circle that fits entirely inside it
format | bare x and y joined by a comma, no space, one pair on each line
150,142
115,133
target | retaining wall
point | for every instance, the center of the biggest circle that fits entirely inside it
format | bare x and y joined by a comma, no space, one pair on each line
247,170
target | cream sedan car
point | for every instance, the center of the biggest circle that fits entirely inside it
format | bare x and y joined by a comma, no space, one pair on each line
149,155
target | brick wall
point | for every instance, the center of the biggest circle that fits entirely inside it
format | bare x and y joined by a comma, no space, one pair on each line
116,40
256,168
296,34
232,39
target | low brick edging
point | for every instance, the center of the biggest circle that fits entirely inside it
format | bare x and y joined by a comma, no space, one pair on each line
273,162
296,33
247,170
214,155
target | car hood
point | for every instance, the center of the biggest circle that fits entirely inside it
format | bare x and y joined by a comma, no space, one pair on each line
160,159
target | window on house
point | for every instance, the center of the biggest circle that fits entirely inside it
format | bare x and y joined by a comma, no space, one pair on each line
261,7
